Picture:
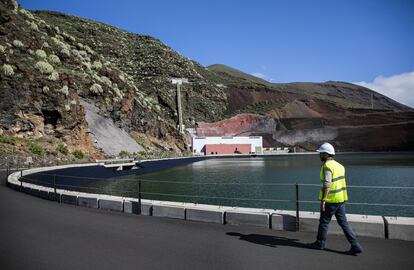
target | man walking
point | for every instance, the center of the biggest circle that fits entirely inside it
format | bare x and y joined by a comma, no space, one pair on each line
333,196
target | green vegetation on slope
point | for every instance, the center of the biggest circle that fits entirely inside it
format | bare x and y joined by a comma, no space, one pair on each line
236,75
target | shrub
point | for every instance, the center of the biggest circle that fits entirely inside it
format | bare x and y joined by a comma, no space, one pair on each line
2,49
124,154
106,80
42,22
17,43
64,90
78,154
44,67
97,65
60,44
57,29
36,148
142,154
8,140
117,92
45,45
41,54
83,54
54,76
45,89
88,49
54,59
96,77
33,26
96,88
8,70
68,37
26,13
87,65
65,52
62,148
76,53
15,7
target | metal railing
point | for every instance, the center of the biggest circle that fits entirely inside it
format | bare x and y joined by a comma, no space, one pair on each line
70,182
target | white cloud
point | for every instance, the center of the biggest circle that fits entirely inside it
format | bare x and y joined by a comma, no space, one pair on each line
398,87
262,76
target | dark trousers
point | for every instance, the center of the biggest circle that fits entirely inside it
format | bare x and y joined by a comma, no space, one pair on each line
337,209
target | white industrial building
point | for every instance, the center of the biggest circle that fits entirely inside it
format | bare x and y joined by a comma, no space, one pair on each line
200,143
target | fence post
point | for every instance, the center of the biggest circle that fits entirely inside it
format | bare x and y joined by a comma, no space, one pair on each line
139,197
197,193
54,187
297,206
7,172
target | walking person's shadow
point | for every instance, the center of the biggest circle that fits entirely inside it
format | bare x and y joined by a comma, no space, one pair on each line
276,241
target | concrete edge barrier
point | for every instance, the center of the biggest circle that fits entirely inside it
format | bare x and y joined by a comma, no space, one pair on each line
258,219
132,207
44,194
111,205
26,190
69,199
170,211
88,202
283,220
401,228
211,215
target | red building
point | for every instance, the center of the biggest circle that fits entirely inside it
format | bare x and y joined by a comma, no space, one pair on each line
229,149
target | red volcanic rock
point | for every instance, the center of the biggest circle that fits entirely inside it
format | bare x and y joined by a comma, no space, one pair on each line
239,124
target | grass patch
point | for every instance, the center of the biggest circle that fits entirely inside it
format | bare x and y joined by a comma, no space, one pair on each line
8,140
36,148
124,154
78,154
62,148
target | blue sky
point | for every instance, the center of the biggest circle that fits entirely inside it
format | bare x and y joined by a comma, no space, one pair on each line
281,41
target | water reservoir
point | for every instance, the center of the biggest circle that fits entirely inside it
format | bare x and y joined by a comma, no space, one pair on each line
380,179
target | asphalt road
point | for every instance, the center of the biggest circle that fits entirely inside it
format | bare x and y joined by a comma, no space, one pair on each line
40,234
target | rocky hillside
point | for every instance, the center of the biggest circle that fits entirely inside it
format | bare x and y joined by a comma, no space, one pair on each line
352,117
45,75
58,70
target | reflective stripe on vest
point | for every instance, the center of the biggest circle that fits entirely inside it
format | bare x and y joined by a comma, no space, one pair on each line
337,192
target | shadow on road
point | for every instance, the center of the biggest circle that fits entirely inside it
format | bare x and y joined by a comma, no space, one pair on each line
276,241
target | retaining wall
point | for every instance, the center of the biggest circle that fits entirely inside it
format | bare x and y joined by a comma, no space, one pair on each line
372,226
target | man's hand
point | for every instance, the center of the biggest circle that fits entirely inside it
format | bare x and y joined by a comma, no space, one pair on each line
323,206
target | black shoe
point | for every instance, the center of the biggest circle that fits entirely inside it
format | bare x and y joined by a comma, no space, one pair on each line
355,250
315,245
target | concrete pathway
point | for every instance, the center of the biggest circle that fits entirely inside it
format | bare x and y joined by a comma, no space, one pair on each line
40,234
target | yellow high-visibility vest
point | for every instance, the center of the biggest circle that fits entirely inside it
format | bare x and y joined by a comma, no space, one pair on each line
337,192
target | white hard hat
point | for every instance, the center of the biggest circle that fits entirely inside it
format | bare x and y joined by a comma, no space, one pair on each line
326,148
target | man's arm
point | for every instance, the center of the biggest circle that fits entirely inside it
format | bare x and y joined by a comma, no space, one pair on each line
326,187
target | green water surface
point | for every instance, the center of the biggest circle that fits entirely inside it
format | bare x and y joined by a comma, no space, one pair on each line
266,182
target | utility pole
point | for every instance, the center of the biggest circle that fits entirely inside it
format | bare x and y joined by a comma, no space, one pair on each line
179,82
372,100
180,112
